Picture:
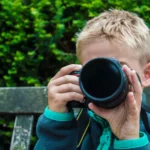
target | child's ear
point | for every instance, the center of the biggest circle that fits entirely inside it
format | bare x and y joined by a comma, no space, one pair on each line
146,80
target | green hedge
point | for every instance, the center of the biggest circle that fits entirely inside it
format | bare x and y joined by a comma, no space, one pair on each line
38,37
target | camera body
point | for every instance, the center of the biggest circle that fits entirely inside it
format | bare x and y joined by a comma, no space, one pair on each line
102,82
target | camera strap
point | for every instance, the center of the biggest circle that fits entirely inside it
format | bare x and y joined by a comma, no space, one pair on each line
83,122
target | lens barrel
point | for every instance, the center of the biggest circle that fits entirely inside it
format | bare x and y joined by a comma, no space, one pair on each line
103,82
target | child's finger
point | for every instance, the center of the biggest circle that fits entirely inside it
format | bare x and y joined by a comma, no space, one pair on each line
66,97
69,87
132,106
65,79
137,88
67,70
127,72
136,83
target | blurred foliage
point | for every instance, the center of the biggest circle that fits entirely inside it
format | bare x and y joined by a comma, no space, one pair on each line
38,37
6,128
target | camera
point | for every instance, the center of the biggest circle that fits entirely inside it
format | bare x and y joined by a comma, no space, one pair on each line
102,82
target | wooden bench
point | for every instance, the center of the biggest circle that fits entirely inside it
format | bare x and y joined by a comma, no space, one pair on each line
25,102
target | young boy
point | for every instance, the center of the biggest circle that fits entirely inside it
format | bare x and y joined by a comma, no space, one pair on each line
112,34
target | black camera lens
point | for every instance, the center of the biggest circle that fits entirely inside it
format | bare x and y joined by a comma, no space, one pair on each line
103,82
100,79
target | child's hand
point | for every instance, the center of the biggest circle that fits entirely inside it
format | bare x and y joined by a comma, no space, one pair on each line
63,88
124,119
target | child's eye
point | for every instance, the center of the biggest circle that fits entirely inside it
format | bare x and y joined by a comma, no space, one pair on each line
122,63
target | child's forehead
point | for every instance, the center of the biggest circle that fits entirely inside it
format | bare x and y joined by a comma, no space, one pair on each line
104,48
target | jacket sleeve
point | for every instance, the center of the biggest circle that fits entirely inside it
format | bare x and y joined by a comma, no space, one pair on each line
56,131
135,144
143,143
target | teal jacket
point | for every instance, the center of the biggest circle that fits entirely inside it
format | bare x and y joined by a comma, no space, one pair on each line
59,131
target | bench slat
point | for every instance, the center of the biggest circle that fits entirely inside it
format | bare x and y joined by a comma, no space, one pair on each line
22,132
23,100
29,100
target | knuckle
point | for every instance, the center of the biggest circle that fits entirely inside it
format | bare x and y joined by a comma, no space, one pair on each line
49,85
66,78
52,90
69,86
62,70
52,79
72,95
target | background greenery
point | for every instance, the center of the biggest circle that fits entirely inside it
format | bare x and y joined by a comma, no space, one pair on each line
38,37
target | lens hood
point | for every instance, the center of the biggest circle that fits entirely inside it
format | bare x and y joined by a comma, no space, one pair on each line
103,82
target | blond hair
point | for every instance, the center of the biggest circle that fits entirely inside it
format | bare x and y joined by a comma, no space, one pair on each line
117,26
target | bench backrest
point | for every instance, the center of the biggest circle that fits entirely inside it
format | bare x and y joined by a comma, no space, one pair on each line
25,102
